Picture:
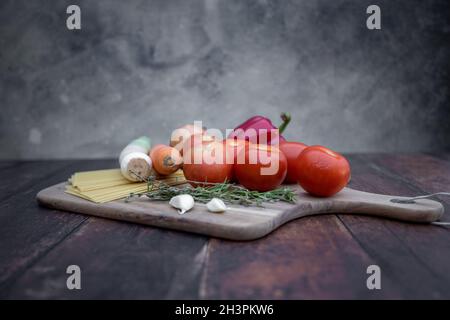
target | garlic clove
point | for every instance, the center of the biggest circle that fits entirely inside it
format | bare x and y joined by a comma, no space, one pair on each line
216,205
182,202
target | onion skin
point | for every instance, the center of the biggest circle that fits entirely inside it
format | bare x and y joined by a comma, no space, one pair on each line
181,135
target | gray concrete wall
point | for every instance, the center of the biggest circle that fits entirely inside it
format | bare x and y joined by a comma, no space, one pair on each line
145,67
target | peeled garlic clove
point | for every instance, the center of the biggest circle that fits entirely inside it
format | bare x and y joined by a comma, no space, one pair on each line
183,202
216,205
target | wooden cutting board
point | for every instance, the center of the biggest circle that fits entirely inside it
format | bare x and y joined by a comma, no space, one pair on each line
239,222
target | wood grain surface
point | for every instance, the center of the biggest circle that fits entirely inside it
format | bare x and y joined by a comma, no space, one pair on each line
240,222
314,257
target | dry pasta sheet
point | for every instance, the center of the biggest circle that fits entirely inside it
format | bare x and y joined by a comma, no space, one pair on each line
102,186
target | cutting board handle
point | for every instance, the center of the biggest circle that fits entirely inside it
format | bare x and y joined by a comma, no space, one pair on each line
244,223
359,202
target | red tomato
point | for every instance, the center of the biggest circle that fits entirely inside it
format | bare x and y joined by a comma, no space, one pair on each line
207,163
321,171
233,148
291,150
264,169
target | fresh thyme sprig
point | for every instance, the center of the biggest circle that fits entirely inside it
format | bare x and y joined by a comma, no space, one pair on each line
228,192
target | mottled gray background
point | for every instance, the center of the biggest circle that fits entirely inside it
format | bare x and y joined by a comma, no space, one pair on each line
146,67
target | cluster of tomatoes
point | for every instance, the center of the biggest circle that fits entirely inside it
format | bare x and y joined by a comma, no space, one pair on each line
320,171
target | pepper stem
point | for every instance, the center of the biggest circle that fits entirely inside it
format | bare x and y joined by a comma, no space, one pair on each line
286,118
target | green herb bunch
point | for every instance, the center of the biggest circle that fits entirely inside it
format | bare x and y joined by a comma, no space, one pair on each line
228,192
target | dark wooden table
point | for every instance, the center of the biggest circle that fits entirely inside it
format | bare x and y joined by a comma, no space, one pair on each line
316,257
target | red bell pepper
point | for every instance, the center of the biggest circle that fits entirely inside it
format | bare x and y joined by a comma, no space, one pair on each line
254,128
